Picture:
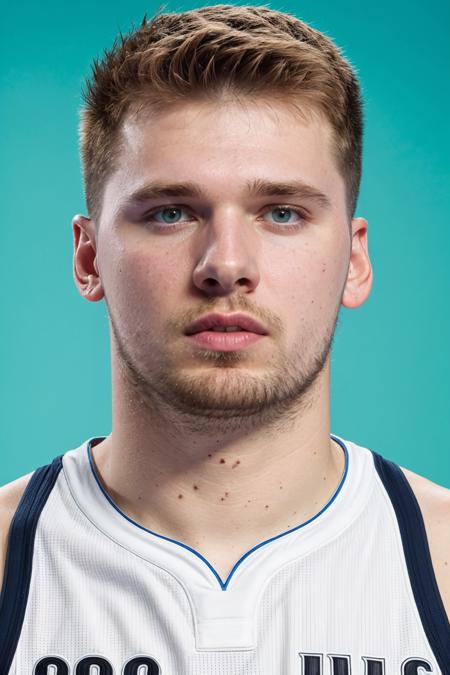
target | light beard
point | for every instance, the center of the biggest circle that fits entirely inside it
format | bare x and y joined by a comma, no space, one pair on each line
227,397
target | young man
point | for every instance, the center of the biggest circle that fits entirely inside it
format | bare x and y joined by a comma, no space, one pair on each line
220,527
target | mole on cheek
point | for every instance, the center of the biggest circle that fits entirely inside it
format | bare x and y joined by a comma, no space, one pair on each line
195,487
222,461
180,496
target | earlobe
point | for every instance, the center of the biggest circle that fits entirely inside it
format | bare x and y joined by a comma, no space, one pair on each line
359,275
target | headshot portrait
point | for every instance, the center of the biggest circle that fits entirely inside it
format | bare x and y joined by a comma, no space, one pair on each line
224,449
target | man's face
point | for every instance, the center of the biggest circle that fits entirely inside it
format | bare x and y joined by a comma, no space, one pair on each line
165,261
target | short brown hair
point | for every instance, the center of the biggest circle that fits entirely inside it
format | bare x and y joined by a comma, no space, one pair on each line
206,52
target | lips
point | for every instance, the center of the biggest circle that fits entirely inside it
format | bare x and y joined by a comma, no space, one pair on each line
211,321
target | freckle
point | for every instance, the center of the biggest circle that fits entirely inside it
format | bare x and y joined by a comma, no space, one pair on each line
446,563
222,499
210,456
312,302
266,506
281,487
249,501
180,496
195,487
314,453
294,513
324,477
226,494
222,461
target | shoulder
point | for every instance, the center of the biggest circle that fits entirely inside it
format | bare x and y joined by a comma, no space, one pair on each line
10,495
434,503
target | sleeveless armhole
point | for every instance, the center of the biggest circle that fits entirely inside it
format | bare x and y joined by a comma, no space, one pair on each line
418,559
19,558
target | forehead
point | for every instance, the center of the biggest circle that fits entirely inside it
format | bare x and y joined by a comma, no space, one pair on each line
225,146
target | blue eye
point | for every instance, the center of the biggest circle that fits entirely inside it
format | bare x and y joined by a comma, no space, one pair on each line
283,214
170,214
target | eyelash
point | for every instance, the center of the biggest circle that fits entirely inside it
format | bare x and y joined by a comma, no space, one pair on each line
170,227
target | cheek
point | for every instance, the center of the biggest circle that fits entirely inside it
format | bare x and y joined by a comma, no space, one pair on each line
308,277
140,285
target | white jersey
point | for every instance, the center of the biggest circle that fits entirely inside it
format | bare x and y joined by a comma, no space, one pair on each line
352,591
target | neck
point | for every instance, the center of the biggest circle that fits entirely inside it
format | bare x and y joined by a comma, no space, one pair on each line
206,489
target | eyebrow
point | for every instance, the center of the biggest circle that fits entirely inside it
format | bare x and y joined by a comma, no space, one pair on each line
255,188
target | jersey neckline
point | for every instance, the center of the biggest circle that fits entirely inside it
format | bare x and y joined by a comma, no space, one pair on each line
88,491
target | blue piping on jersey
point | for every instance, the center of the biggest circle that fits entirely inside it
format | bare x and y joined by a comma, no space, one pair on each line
418,559
19,558
223,584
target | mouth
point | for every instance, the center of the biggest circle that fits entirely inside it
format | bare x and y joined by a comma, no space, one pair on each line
225,332
224,341
226,323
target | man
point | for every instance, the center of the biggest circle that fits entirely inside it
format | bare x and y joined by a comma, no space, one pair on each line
220,527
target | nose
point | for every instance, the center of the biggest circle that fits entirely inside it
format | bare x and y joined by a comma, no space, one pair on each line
229,260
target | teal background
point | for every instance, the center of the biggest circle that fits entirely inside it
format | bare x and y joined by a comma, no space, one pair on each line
391,362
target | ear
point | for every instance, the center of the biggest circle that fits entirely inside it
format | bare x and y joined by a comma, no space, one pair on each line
85,267
359,275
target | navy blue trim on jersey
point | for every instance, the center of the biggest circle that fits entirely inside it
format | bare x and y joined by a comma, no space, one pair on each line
223,584
19,558
418,559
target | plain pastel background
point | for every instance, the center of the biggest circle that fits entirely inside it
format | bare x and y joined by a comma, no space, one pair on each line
391,360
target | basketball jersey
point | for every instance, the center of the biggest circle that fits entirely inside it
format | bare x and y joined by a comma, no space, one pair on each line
88,591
